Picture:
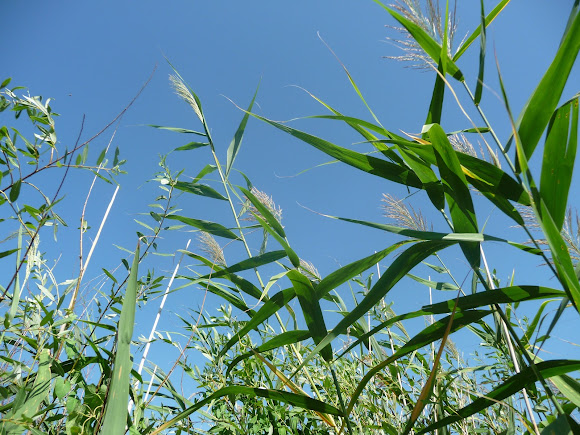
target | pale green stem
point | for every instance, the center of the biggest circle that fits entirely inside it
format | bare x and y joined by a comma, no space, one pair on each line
225,183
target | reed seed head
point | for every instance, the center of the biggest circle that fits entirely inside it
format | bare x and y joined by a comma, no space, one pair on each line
209,246
403,215
267,201
432,20
181,89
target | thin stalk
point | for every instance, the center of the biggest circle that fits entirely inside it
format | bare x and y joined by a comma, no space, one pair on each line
154,327
225,183
521,347
491,130
511,348
85,265
512,167
399,379
340,400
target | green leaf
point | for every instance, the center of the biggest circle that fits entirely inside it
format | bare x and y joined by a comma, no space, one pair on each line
479,85
177,130
192,146
61,387
267,310
293,399
15,190
7,253
502,295
284,339
397,270
311,310
236,142
101,157
292,256
506,389
538,111
560,254
207,226
207,169
563,425
457,191
558,161
433,284
251,263
437,98
345,273
372,165
429,335
115,417
5,82
199,189
488,20
32,399
464,303
229,297
431,235
265,212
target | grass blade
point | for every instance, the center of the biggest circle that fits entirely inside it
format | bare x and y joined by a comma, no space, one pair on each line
115,418
29,407
236,142
372,165
267,310
351,270
511,386
298,400
457,192
488,20
479,85
538,111
177,130
207,226
309,302
199,189
397,270
558,162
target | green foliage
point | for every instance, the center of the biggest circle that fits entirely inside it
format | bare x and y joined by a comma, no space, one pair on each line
322,365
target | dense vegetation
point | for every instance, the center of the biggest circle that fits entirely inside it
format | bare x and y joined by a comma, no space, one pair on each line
340,360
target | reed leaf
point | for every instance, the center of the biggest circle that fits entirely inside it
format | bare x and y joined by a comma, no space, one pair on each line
298,400
115,417
558,162
506,389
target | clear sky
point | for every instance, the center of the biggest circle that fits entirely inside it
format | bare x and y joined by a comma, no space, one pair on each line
93,57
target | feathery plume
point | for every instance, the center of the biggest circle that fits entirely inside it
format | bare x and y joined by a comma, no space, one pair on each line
403,215
181,89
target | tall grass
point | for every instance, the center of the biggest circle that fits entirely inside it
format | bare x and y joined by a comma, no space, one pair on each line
274,366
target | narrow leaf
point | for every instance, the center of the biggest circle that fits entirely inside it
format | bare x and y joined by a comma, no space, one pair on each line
199,189
538,111
207,226
236,143
293,399
311,310
558,161
115,418
508,388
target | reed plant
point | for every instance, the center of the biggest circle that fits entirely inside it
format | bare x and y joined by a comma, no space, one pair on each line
290,350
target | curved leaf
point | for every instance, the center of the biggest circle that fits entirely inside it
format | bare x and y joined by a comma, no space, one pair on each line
293,399
514,384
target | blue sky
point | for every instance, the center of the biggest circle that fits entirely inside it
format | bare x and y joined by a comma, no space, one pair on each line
92,58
